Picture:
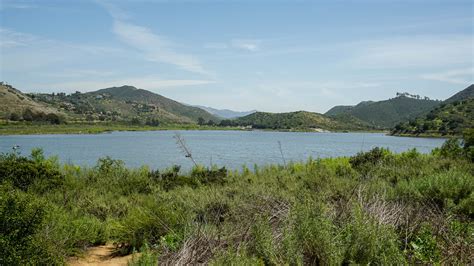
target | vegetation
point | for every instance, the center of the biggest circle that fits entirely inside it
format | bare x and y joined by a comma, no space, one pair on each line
447,119
124,104
295,121
23,128
375,207
386,114
462,95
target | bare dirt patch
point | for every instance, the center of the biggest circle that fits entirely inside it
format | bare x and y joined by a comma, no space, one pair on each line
100,255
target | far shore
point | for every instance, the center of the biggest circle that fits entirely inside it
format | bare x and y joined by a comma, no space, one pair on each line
98,128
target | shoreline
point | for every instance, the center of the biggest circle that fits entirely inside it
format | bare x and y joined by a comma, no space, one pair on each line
426,136
83,128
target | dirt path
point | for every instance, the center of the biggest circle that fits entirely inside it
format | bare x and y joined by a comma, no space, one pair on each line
101,255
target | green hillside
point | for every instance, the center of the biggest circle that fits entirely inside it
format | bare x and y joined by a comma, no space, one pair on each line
340,109
15,105
117,104
386,114
452,117
132,94
300,120
462,95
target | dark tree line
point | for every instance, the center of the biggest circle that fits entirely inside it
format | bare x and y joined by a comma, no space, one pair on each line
29,116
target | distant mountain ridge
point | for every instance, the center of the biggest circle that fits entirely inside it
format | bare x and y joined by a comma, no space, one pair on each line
387,113
225,113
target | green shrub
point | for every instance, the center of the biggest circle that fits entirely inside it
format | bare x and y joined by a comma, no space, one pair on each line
365,161
208,176
424,246
25,172
367,242
21,217
317,235
148,222
213,213
72,234
172,179
263,245
450,149
146,257
443,189
236,258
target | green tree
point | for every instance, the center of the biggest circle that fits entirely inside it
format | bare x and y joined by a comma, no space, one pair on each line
201,121
28,115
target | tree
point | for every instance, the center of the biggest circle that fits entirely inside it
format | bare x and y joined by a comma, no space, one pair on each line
201,121
53,118
28,115
14,117
135,121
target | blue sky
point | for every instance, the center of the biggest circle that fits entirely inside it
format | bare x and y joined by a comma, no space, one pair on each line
268,55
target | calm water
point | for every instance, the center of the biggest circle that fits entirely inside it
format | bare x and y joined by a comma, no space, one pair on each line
233,149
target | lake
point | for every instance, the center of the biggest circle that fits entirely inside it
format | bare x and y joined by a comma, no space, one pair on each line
233,149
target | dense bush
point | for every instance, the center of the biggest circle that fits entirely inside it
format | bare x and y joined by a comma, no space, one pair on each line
21,217
376,207
365,161
25,172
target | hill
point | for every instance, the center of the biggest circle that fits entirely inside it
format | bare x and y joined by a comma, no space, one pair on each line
15,105
300,120
340,109
116,104
225,113
452,117
132,94
386,114
462,95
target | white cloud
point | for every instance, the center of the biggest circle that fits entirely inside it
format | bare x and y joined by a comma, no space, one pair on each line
251,45
11,39
455,76
16,5
153,47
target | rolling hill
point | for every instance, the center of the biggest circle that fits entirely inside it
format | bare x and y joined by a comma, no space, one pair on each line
14,103
132,94
451,117
116,104
300,120
388,113
462,95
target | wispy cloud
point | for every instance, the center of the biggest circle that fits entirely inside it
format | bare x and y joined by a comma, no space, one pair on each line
455,76
10,39
16,5
154,47
251,45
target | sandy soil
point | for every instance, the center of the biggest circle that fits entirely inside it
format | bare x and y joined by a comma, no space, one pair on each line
100,255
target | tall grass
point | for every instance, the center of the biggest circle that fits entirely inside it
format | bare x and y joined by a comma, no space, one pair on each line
374,208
